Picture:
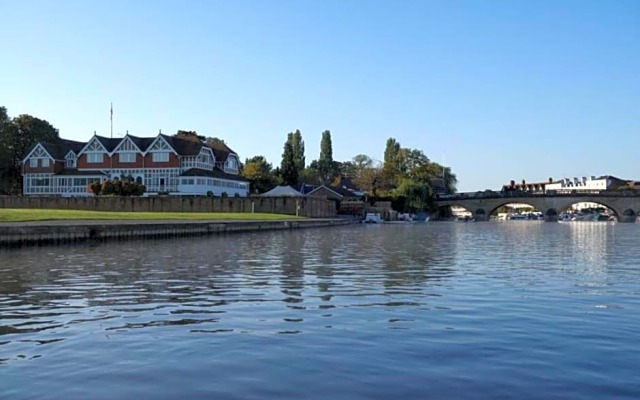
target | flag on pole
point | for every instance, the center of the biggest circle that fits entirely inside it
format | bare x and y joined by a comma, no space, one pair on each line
111,120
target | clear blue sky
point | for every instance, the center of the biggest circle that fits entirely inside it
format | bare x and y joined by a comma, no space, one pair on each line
502,89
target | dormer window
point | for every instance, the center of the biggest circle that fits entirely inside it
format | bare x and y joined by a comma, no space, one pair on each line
70,160
33,163
232,163
45,163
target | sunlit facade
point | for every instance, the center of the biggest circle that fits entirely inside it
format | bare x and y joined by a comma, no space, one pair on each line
172,165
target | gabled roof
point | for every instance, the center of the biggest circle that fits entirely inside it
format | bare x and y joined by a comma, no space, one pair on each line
280,191
339,191
330,189
109,143
59,149
611,177
221,151
215,173
161,138
183,147
32,149
143,143
307,188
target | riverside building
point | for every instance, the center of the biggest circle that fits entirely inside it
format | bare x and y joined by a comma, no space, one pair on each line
175,165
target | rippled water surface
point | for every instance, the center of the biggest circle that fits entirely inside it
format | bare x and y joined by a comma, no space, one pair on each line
521,310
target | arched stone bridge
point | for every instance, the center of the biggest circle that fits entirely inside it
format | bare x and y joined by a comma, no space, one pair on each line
624,204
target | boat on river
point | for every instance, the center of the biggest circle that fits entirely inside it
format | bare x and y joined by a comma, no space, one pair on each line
372,218
585,217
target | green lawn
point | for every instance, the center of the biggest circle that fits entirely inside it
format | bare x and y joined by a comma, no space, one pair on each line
20,215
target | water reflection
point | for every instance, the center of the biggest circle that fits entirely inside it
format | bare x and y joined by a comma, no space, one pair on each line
458,295
128,286
589,251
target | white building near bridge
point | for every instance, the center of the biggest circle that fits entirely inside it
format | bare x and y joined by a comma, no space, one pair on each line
585,184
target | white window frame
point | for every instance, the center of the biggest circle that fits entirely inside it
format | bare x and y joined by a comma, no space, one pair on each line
159,157
33,162
130,157
95,158
45,163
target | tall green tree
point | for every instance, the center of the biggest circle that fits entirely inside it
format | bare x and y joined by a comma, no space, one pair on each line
390,175
260,174
370,180
391,153
326,167
326,147
415,195
441,179
17,136
288,168
297,146
310,175
5,156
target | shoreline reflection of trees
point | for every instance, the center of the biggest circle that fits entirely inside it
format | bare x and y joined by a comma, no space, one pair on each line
217,271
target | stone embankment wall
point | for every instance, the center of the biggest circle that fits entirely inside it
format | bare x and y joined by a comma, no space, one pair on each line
307,206
59,232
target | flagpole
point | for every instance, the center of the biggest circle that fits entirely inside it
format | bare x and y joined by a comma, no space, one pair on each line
111,120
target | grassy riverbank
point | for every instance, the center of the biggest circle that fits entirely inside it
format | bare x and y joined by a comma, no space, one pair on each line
23,215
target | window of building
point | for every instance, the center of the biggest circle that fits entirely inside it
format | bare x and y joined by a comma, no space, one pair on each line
231,163
45,162
160,157
127,157
94,158
70,163
33,163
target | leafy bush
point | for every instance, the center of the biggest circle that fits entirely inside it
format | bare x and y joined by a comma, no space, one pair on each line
95,188
116,187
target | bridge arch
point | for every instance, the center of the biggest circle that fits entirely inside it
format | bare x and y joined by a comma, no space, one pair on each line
529,202
625,207
447,211
619,214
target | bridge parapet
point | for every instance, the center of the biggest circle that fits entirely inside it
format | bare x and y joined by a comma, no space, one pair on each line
624,203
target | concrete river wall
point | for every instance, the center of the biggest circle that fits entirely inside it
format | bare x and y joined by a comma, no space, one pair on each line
58,232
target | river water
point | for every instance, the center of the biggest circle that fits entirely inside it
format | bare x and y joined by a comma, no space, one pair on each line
521,310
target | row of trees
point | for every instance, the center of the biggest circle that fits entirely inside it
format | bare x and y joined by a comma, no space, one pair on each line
406,176
17,136
293,170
